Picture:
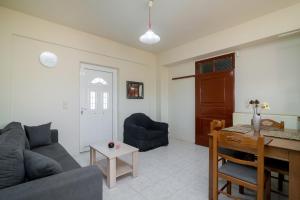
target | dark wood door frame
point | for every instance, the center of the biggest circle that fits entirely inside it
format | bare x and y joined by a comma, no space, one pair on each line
205,112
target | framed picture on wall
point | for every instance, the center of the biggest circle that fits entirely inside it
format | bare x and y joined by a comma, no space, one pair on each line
135,90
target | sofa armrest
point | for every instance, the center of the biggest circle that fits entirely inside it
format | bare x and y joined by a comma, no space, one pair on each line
79,184
54,135
160,126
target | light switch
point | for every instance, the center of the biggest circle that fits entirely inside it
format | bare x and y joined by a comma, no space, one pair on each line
65,105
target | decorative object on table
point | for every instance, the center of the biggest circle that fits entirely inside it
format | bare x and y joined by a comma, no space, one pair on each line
111,145
118,146
135,90
255,104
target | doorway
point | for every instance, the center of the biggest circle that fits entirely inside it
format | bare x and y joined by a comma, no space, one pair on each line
214,94
98,105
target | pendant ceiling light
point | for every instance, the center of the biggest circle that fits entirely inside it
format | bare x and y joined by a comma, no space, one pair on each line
149,37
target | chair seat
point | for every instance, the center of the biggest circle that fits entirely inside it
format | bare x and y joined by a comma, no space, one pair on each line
242,172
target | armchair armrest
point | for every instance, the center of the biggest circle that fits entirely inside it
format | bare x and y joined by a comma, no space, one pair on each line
160,126
54,135
79,184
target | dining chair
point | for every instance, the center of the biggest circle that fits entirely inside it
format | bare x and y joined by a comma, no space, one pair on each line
216,125
276,166
249,174
269,123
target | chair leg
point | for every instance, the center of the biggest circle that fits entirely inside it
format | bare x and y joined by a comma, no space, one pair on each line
268,186
229,187
241,189
223,161
280,181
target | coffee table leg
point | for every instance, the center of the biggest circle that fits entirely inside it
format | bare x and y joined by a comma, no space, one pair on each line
111,175
135,158
92,156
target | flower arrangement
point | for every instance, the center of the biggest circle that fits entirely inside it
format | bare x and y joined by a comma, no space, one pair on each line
255,104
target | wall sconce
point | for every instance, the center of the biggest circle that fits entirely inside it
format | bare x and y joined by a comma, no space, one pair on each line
48,59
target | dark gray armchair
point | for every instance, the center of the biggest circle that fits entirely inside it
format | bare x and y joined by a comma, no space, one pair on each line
143,133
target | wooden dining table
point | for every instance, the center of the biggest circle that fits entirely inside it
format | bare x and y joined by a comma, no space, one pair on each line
278,148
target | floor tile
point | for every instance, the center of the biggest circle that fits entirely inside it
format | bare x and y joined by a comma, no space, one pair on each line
176,172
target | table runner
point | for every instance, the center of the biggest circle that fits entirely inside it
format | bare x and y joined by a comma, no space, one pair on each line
267,131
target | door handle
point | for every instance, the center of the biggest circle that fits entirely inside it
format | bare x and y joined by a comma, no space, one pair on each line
82,110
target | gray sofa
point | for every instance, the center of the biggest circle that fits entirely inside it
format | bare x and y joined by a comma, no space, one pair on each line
74,183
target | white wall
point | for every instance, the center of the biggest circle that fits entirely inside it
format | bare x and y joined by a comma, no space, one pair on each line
33,94
261,28
269,72
181,100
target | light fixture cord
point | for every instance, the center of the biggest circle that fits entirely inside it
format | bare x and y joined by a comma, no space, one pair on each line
149,22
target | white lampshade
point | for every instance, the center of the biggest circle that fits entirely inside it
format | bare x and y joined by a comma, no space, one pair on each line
149,37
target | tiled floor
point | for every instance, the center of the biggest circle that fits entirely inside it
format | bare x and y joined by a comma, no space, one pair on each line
179,171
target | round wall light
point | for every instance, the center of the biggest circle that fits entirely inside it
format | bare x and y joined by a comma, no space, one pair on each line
48,59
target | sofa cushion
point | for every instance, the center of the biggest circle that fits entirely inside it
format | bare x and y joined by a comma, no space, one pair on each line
38,135
16,127
11,165
58,153
39,166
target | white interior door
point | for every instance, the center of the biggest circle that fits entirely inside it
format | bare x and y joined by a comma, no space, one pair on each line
96,105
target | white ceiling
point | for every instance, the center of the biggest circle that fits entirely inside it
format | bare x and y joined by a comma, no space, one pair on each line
176,21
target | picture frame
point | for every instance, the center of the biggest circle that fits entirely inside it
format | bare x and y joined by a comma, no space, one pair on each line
135,90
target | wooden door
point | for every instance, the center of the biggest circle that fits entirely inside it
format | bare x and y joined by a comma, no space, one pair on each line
214,94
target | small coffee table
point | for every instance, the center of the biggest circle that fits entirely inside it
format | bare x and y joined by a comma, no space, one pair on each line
114,167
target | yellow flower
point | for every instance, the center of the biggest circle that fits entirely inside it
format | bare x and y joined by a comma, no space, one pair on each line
265,106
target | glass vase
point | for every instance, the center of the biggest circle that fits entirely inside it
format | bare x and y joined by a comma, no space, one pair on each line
256,123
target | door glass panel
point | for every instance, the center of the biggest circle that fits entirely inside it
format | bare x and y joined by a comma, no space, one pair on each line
92,100
223,64
105,100
206,67
99,80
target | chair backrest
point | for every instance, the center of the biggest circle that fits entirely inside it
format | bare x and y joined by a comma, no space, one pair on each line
216,125
139,119
272,123
239,142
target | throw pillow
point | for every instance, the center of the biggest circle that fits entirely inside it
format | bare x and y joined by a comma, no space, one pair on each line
39,166
16,127
38,135
12,170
